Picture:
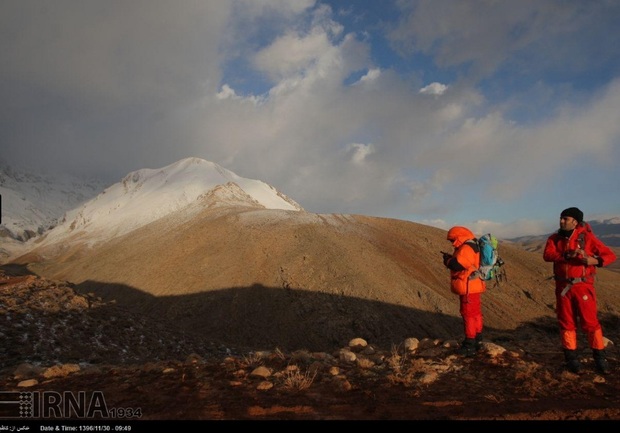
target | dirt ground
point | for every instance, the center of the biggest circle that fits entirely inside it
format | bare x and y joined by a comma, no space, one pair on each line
517,376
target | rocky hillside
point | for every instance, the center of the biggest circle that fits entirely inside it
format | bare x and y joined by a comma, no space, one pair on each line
229,312
57,340
296,280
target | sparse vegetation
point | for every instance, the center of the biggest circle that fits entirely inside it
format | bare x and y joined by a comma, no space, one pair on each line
252,359
405,368
279,354
295,380
396,361
365,363
199,379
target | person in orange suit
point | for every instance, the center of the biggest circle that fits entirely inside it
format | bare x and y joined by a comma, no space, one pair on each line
576,253
464,281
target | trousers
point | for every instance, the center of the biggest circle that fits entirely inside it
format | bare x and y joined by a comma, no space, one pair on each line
471,312
577,306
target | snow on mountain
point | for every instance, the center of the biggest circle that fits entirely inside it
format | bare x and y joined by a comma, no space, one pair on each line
611,220
606,229
146,195
34,202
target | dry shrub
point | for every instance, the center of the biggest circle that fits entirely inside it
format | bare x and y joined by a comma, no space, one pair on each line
396,361
279,354
365,363
252,360
298,381
405,369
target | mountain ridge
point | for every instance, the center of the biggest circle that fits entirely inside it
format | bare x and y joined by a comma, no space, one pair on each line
138,198
271,276
33,203
217,250
224,271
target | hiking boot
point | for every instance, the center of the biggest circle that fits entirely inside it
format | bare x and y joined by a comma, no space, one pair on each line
600,361
468,348
478,344
572,363
574,366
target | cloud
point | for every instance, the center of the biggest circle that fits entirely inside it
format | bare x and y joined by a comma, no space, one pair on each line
291,55
434,89
88,86
372,75
517,228
359,152
281,8
487,35
292,94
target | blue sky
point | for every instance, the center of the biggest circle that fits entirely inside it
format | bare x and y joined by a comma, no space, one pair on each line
493,115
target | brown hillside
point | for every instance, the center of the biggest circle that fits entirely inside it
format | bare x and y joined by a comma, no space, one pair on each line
297,280
57,340
247,314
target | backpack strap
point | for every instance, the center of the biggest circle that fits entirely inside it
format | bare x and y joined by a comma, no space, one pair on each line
473,243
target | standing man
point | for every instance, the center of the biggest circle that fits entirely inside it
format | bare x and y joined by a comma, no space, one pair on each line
462,263
576,253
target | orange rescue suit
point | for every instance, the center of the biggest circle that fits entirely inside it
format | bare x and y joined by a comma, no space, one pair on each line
465,261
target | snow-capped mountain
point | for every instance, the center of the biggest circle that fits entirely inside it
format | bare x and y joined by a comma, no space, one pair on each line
32,202
146,195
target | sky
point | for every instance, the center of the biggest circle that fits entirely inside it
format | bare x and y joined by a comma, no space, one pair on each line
495,115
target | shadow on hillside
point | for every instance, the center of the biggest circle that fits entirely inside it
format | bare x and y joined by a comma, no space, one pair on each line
289,319
138,327
265,318
16,269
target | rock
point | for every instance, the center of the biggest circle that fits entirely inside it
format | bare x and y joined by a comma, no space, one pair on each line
343,385
27,383
26,370
347,356
357,344
492,348
60,370
264,386
411,344
428,378
261,371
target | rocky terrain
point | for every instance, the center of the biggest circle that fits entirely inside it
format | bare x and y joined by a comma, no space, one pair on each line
55,339
229,313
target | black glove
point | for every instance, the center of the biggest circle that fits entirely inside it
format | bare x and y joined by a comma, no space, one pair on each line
446,258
